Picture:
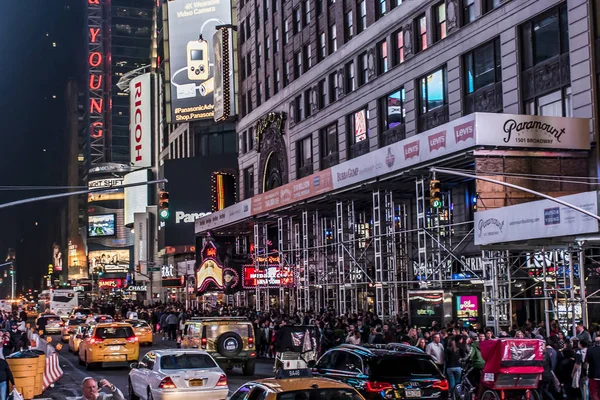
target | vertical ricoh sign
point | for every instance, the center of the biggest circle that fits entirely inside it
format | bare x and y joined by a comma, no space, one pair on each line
98,87
140,124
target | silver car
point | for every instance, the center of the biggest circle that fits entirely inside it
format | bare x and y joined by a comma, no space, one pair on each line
177,374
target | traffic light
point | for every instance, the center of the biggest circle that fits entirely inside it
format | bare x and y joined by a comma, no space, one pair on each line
163,204
435,197
138,268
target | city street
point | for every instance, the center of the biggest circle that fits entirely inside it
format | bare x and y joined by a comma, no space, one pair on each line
69,385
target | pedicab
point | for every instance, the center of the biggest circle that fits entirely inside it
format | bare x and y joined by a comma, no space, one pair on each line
295,347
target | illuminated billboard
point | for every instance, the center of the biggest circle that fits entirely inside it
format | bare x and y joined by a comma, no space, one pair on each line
224,77
98,89
467,308
109,261
101,225
136,197
140,124
76,259
191,58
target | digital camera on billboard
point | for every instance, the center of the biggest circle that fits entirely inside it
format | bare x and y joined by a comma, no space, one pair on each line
197,60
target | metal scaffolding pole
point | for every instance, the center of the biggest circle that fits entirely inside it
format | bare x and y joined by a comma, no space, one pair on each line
379,278
305,264
421,270
281,251
391,255
297,266
257,265
339,207
317,261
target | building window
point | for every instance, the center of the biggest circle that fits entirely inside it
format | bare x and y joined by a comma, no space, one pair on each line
363,67
244,111
258,55
306,52
267,87
322,94
489,5
258,95
333,92
398,38
421,33
248,183
287,78
307,103
329,142
276,40
555,104
249,98
267,48
468,11
483,66
332,39
275,6
362,21
319,7
286,32
433,91
297,20
243,68
306,6
358,126
277,81
348,26
250,139
322,46
304,158
298,108
382,56
257,18
297,65
545,37
350,77
244,142
248,65
392,109
242,31
267,9
440,21
248,31
381,8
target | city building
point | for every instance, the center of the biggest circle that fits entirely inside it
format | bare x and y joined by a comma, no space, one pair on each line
344,108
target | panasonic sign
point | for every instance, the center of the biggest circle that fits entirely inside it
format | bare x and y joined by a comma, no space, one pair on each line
140,125
183,217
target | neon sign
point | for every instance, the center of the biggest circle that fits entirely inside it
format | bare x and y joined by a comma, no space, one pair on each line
269,277
97,82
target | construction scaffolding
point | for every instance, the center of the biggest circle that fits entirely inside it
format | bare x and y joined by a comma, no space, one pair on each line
367,251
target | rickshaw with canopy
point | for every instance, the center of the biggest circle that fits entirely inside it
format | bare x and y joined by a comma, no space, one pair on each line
296,347
513,368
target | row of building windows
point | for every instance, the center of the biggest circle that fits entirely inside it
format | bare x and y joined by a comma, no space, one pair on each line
327,42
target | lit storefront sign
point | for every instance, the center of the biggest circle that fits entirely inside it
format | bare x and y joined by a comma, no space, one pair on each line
116,283
97,82
268,277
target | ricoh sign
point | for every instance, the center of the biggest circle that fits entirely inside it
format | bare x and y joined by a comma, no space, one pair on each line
140,128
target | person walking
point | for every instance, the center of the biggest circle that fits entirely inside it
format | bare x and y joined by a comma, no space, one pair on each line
592,357
172,321
91,390
453,368
5,377
436,350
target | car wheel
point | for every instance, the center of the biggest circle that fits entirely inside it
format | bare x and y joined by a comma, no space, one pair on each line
80,360
88,366
132,395
249,367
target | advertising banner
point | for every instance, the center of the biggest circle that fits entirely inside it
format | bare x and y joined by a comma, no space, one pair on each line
102,183
425,307
192,25
112,283
537,219
224,78
234,213
57,258
140,122
273,277
140,245
77,259
101,225
109,261
467,308
136,197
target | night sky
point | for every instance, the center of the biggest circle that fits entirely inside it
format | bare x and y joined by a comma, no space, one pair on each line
32,123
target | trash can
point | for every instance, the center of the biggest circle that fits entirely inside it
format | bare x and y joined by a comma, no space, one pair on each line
41,368
24,367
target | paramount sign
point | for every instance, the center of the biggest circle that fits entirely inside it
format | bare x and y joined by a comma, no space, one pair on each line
183,217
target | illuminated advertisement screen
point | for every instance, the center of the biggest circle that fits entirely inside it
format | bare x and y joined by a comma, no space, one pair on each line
191,27
101,225
109,261
269,277
467,308
425,307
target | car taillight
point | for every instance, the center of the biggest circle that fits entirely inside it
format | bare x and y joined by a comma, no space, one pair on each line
95,340
250,342
376,387
203,343
442,385
222,381
167,383
132,339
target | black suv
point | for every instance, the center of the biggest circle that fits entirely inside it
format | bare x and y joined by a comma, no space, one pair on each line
394,371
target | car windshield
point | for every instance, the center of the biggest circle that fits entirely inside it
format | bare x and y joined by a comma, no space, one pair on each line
216,330
320,394
82,311
138,324
76,321
114,332
403,366
186,361
52,319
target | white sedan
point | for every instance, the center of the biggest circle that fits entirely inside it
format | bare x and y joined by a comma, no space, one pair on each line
177,374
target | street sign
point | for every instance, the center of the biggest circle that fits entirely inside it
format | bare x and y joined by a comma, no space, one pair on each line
154,269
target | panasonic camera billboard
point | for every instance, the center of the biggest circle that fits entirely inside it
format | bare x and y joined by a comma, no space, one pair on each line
191,65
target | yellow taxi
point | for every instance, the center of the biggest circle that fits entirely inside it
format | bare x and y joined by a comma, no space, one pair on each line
142,330
76,338
109,343
296,388
68,327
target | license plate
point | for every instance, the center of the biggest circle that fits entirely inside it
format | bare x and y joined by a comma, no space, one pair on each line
116,348
412,393
196,382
